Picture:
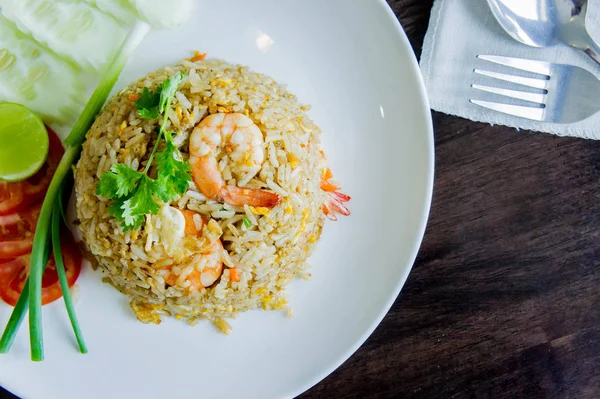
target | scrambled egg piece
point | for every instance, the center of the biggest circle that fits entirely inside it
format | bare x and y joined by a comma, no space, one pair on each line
303,223
292,160
172,229
260,210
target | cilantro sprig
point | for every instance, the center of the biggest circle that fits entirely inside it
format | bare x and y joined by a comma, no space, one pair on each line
134,194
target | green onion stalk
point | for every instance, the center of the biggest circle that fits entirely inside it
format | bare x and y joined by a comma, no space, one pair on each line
62,276
40,240
19,311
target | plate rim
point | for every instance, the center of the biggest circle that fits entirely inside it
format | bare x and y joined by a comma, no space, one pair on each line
414,66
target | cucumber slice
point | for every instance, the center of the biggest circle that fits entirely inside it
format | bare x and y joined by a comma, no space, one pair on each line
72,28
119,9
164,14
35,77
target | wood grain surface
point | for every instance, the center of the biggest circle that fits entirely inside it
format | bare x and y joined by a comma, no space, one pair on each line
504,298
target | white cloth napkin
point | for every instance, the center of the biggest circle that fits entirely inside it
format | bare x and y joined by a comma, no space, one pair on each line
458,31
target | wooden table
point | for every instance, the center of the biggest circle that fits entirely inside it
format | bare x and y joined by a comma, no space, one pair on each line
504,298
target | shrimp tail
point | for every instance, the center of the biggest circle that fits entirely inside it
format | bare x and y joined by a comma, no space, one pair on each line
238,196
334,205
329,212
340,198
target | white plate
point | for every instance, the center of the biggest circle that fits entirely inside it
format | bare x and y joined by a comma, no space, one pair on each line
351,60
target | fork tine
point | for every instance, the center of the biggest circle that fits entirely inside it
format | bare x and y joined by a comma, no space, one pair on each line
529,82
521,95
515,110
540,67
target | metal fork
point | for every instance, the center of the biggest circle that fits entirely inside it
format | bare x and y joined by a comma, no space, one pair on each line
554,93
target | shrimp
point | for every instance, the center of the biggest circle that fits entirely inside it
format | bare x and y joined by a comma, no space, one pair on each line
334,203
211,257
243,141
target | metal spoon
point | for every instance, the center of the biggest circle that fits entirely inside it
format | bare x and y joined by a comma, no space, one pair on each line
543,23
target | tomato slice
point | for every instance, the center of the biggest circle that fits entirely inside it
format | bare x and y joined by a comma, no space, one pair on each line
35,187
17,228
14,196
16,232
19,224
14,272
13,275
12,249
11,197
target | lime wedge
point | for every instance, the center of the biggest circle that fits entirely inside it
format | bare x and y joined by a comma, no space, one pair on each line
23,142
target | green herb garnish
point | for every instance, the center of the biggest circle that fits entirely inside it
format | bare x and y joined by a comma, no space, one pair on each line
147,104
134,194
62,277
247,222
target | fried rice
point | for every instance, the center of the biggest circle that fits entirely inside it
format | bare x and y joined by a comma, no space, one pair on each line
268,252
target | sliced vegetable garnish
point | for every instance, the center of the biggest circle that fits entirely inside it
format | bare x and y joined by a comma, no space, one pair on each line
23,142
85,35
32,75
40,241
16,233
247,222
19,223
159,13
16,196
14,248
35,187
16,239
164,14
14,273
11,197
49,47
122,10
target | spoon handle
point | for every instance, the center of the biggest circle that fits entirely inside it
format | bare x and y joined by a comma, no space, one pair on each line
592,49
594,53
